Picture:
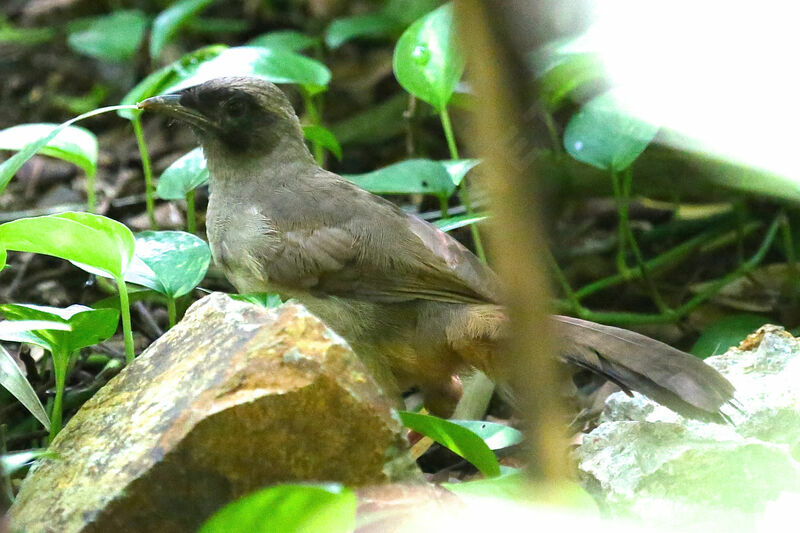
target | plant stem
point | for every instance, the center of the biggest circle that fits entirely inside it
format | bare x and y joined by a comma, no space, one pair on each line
60,360
148,171
125,311
463,193
172,311
91,197
314,117
191,218
443,207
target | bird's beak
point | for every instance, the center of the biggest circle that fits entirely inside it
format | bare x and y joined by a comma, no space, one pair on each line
170,105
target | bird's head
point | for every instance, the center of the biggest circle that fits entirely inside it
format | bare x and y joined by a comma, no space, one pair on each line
239,115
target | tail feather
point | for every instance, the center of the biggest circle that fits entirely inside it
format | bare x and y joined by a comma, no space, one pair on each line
665,374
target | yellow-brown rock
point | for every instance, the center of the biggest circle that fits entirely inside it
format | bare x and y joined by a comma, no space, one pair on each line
233,398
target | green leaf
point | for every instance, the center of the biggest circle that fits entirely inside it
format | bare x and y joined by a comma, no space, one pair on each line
12,462
264,299
73,144
606,135
114,37
407,11
158,81
427,62
449,224
344,29
175,262
410,176
287,40
3,257
496,436
277,66
458,168
324,137
723,334
376,124
185,174
169,21
456,438
10,166
510,485
86,326
567,76
328,508
93,242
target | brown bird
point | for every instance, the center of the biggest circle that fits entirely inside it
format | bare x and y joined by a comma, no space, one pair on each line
415,304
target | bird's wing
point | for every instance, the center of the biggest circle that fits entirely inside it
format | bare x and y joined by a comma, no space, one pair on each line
372,250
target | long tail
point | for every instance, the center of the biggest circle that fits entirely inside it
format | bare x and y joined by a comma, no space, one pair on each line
669,376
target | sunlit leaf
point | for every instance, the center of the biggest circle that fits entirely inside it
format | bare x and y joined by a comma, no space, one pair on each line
92,242
496,436
427,62
573,72
456,438
176,262
449,224
328,508
458,168
288,40
12,462
73,144
185,174
410,176
607,135
325,138
85,326
345,29
727,332
277,66
113,37
169,21
264,299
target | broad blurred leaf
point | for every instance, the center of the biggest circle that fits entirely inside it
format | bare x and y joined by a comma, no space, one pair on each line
510,485
407,11
169,21
185,174
93,242
449,224
456,438
344,29
607,135
176,262
73,144
410,176
156,82
277,66
113,37
730,331
567,76
328,508
288,40
427,62
376,124
325,138
86,326
458,168
264,299
12,462
496,436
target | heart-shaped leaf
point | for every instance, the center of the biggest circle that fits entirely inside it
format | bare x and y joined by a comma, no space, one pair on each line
328,508
288,40
606,134
86,326
727,332
345,29
176,262
427,62
169,21
325,138
95,243
264,299
456,438
458,168
449,224
411,176
73,144
114,37
496,436
186,174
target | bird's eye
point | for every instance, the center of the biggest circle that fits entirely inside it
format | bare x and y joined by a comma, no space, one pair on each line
236,107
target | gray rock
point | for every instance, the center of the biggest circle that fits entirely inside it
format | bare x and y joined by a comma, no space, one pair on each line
645,461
